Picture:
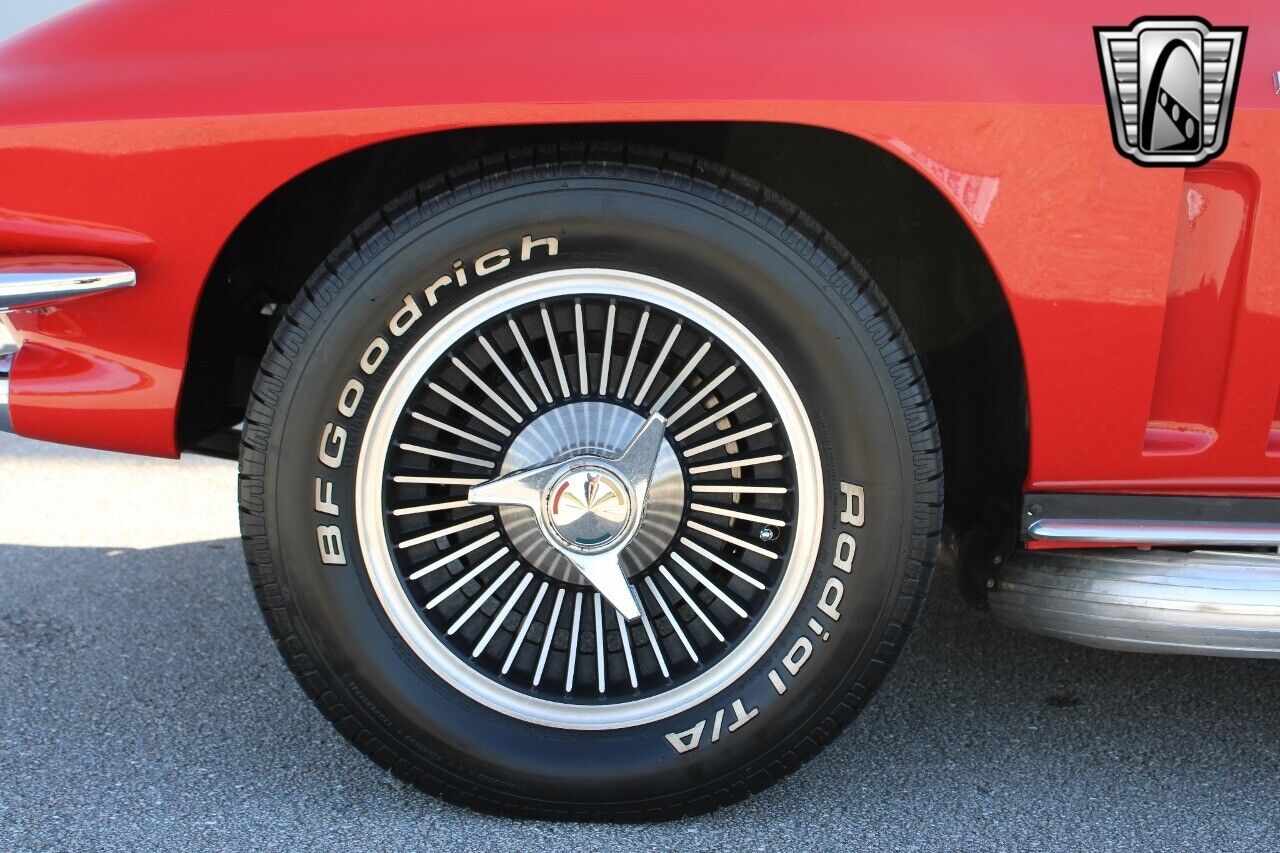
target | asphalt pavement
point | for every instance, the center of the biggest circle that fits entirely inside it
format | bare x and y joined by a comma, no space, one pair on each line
143,707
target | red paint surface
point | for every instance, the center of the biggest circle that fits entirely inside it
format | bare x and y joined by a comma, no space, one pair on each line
160,125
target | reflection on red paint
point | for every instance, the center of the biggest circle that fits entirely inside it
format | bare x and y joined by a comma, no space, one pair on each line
974,193
36,234
1167,438
86,398
1207,287
1273,437
47,372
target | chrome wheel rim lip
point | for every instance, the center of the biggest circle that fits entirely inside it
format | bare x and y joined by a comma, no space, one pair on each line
401,610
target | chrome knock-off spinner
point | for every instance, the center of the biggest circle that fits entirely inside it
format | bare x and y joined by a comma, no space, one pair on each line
583,430
614,510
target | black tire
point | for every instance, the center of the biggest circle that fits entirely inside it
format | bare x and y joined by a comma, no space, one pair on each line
714,232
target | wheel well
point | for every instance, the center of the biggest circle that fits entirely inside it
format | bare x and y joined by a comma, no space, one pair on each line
895,222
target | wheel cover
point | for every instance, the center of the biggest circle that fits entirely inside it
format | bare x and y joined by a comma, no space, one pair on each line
563,369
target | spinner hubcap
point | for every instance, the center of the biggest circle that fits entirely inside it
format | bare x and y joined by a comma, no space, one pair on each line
587,508
581,431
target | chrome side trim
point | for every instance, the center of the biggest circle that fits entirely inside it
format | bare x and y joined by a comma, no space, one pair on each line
33,280
6,361
1111,519
1202,603
1146,532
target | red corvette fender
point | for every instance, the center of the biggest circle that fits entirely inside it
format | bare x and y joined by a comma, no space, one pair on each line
1147,300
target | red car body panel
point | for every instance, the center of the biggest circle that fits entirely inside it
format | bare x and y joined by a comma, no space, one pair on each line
1147,301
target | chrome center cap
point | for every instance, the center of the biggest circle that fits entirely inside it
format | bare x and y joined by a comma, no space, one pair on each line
588,508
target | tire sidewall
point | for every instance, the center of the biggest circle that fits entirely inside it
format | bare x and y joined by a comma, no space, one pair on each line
799,310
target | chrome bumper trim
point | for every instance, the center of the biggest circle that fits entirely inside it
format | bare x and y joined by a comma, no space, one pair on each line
1216,533
6,361
1200,603
34,280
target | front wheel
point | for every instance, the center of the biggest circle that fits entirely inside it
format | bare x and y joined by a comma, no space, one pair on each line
602,487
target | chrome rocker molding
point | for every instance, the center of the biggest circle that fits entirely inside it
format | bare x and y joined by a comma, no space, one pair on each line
6,361
1153,532
1151,520
34,280
1201,603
